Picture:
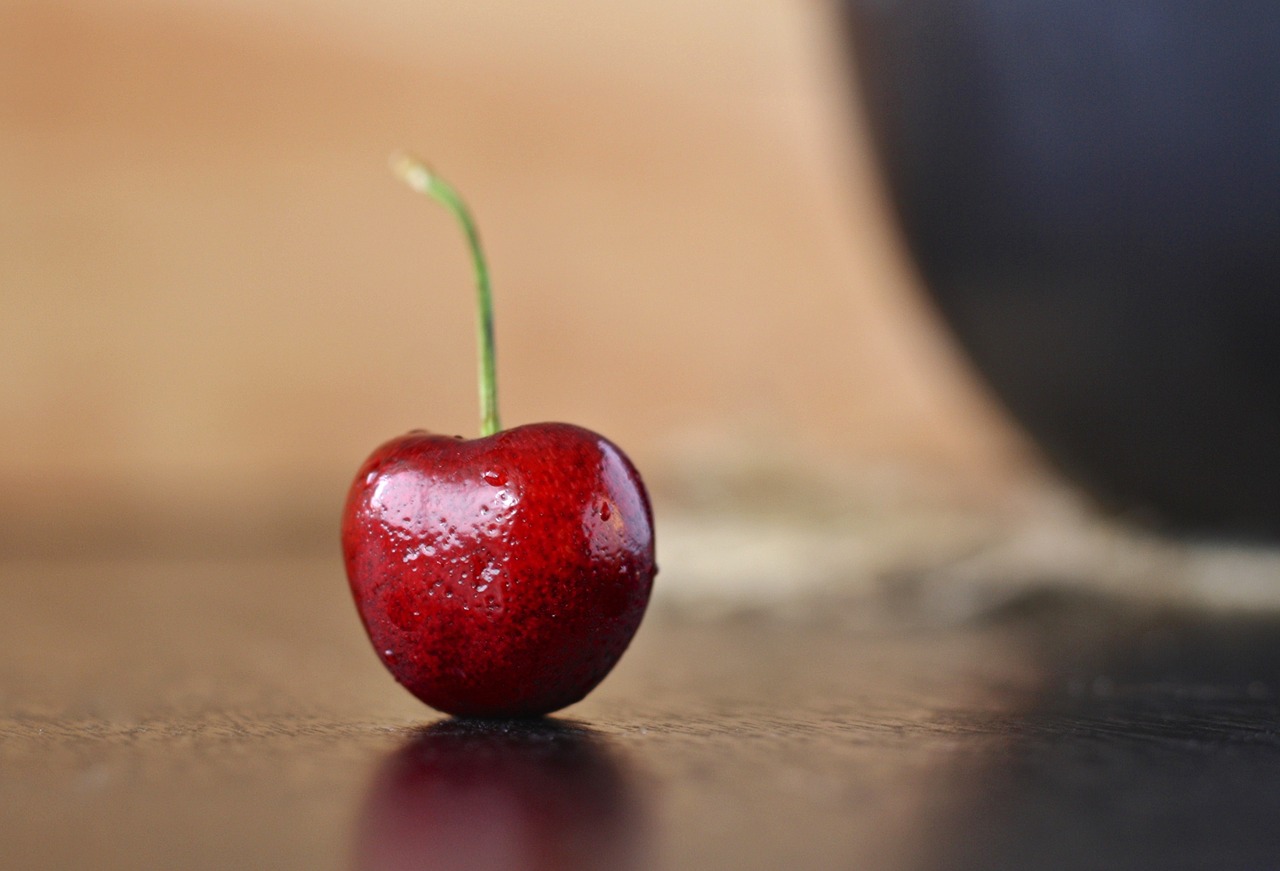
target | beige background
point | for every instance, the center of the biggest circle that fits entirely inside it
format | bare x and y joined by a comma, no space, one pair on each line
216,300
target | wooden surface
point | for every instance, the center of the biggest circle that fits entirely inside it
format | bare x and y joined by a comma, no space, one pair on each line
229,714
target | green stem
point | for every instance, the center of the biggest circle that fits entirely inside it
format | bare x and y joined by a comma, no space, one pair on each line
418,176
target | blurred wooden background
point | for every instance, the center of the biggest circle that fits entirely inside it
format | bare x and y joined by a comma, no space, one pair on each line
215,300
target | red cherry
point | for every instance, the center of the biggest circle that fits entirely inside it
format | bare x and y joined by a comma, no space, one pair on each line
501,576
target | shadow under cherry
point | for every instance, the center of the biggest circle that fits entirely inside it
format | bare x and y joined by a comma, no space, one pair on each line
478,795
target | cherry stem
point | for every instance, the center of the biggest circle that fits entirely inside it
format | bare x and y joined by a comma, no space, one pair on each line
419,176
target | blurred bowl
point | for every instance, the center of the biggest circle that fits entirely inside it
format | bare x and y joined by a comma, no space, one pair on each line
1091,192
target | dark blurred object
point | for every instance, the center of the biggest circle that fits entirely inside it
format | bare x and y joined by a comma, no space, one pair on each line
1091,191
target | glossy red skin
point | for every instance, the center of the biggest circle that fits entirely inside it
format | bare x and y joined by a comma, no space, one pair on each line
502,576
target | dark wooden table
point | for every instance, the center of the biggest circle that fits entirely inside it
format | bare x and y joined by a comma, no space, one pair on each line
229,714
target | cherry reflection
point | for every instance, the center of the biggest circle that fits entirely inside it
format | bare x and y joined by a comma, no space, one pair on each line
511,795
